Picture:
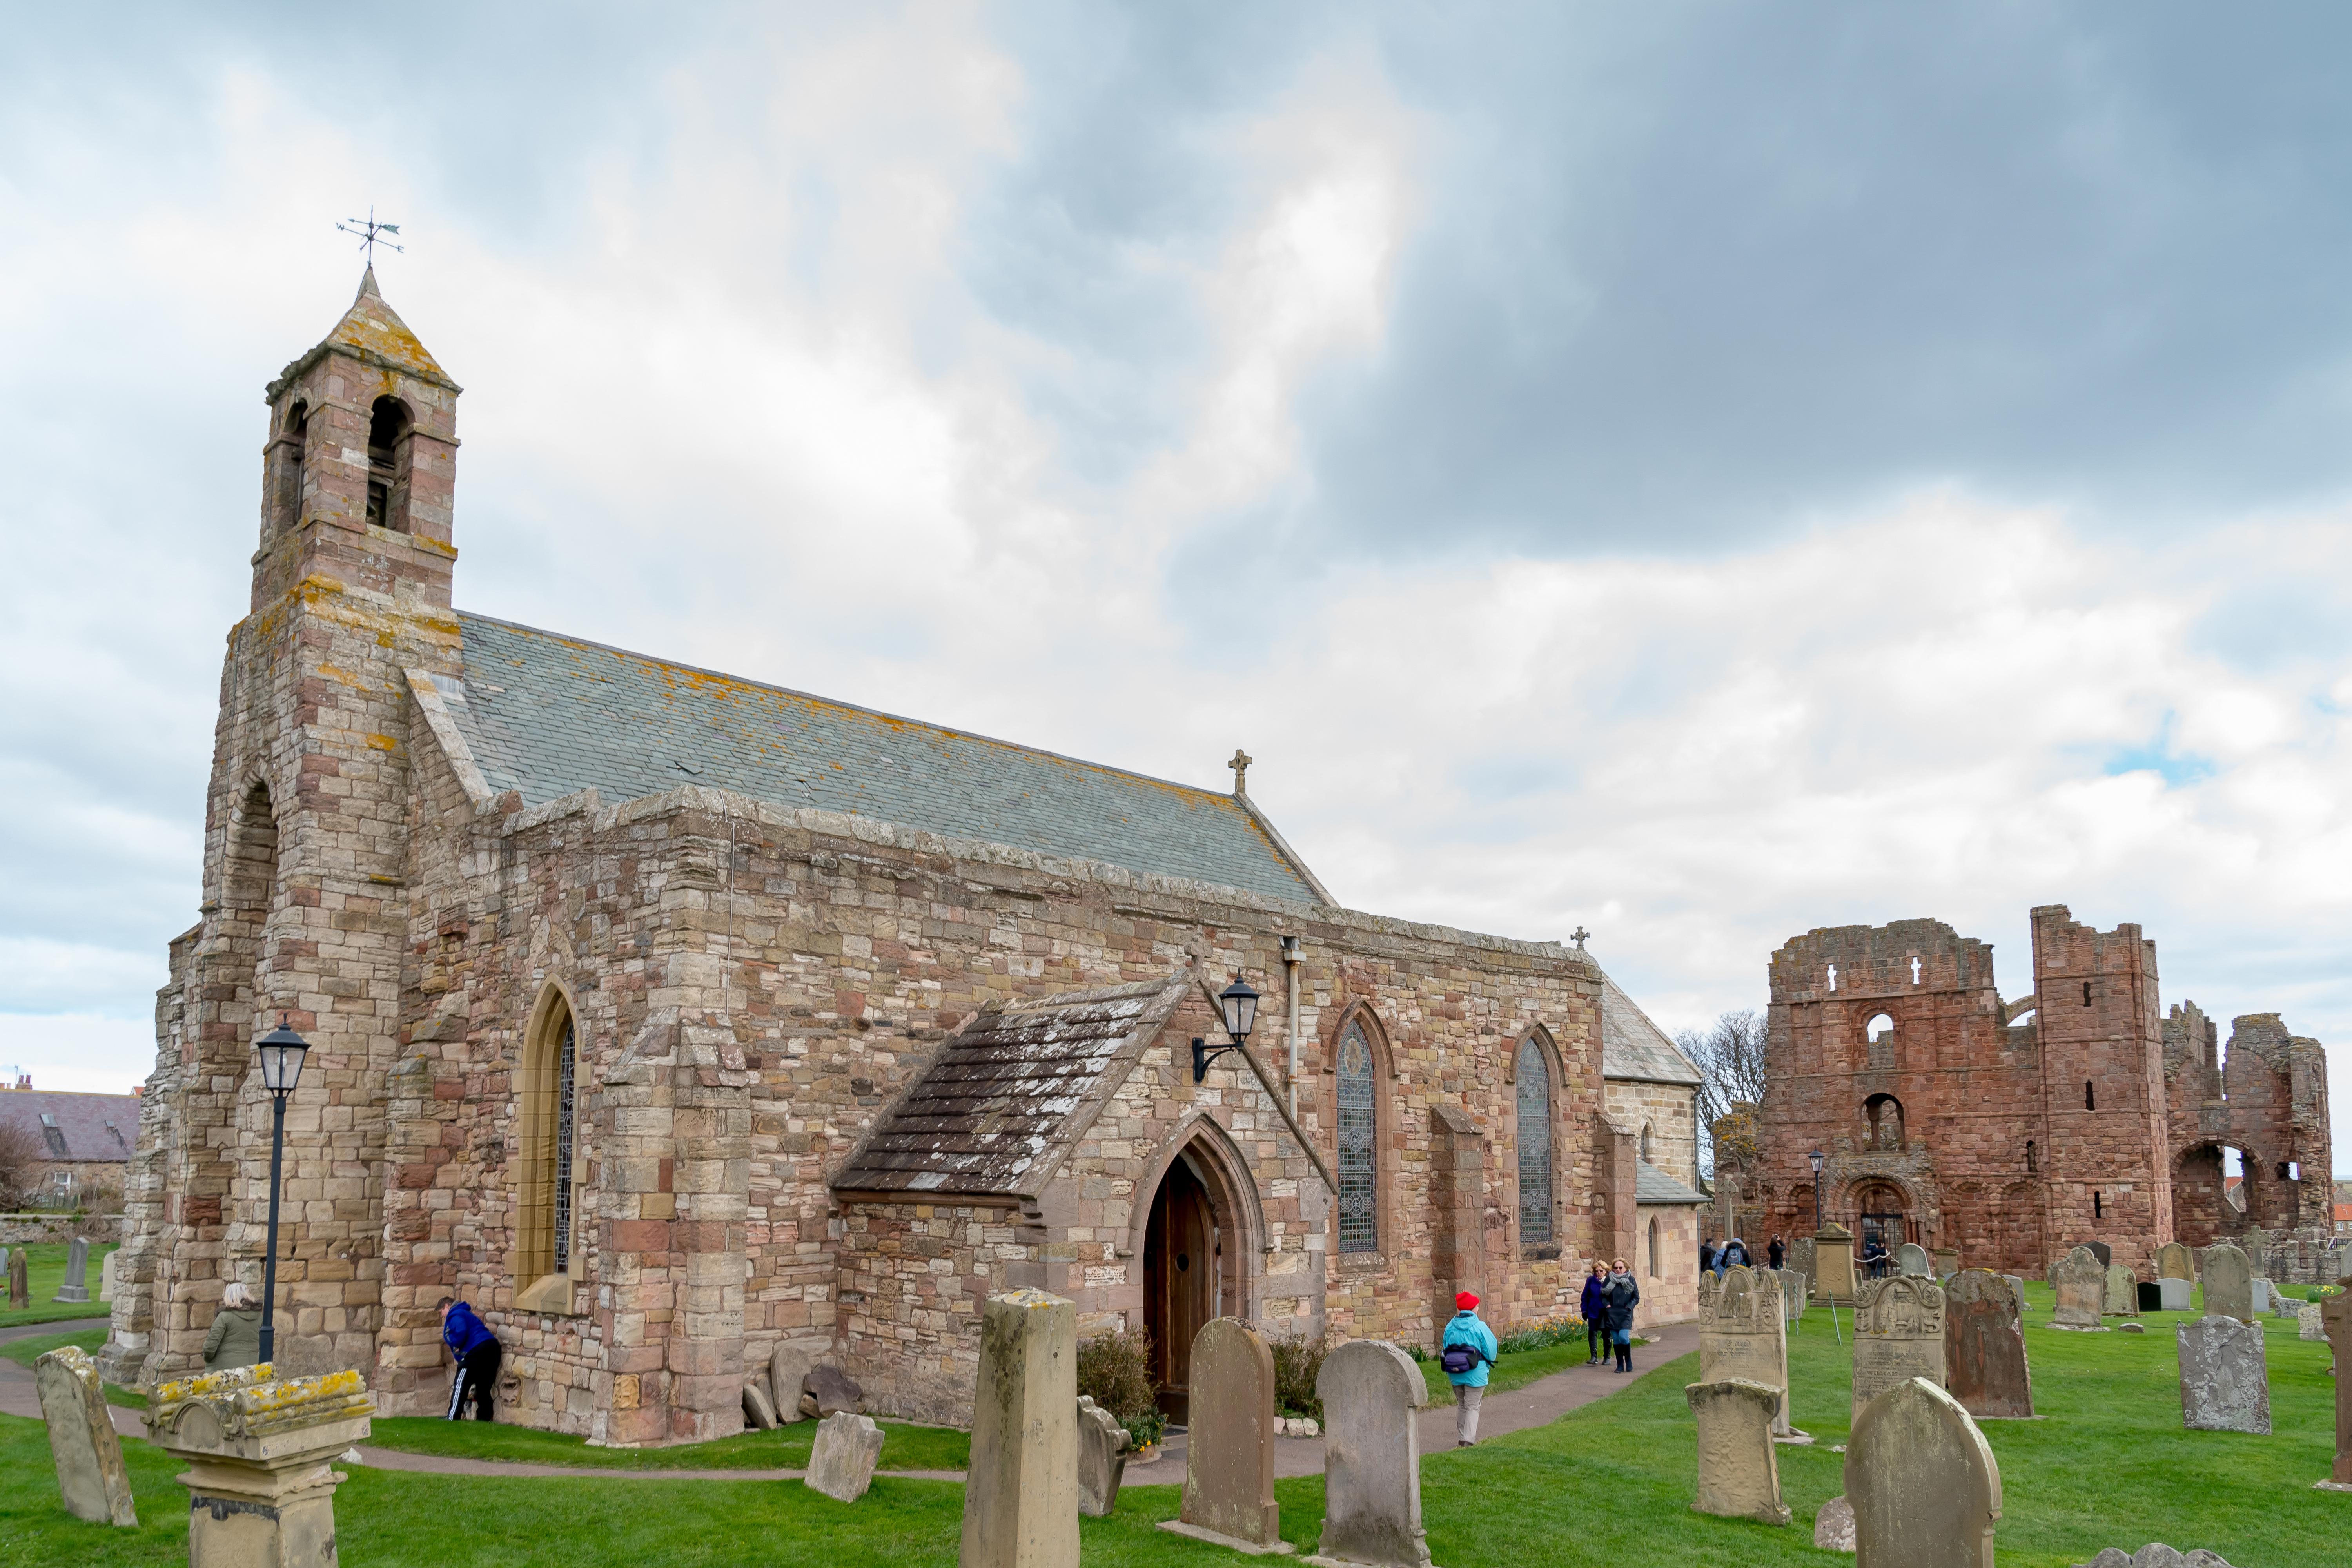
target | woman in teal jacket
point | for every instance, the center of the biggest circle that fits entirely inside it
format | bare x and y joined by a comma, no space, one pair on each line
1469,1344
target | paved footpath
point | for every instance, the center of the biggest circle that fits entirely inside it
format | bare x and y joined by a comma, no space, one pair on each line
1540,1403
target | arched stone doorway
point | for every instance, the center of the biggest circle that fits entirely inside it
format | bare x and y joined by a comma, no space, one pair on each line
1195,1254
1881,1215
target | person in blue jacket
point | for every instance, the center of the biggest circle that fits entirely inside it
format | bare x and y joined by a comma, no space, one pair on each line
477,1352
1594,1310
1465,1353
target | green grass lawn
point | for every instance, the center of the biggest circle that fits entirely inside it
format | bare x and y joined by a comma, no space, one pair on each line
26,1351
1608,1485
46,1270
904,1446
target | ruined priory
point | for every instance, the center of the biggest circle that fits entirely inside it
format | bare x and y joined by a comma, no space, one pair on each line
670,1017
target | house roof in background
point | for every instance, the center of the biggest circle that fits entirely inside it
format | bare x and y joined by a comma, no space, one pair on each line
547,716
81,1129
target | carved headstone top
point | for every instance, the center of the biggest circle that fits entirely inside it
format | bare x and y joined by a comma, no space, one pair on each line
2080,1281
1899,1334
1912,1259
1925,1486
2174,1262
248,1410
1743,1334
2229,1276
1984,1345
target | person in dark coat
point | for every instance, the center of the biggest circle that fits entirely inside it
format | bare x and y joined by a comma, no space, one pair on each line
1778,1251
1594,1310
1873,1259
1707,1255
477,1350
1624,1296
1732,1255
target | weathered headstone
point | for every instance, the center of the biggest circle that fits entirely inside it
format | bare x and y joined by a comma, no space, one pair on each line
1102,1459
1984,1346
77,1285
2310,1321
1947,1262
2264,1293
1925,1488
1800,1257
91,1475
2229,1276
834,1391
20,1283
1739,1476
2173,1262
2100,1250
841,1460
788,1370
106,1277
2176,1295
1899,1334
1021,1486
258,1451
2080,1281
1793,1296
1834,1526
2122,1293
2335,1314
758,1410
1229,1448
1912,1259
1371,1457
1832,1274
2225,1379
1743,1335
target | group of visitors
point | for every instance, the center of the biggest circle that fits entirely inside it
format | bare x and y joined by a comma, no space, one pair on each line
1734,1254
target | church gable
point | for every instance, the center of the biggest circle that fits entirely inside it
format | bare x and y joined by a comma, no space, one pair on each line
1010,1093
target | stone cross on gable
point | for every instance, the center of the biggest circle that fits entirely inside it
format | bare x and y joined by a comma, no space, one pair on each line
1240,764
1578,936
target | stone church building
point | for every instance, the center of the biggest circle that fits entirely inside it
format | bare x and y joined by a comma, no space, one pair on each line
2009,1131
668,1017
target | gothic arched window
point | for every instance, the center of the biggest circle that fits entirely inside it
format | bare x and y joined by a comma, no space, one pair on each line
1358,1105
1535,1145
548,1185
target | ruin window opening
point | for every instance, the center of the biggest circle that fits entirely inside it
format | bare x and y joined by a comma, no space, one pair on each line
1880,1024
1881,1116
294,443
2090,1095
390,429
1535,1145
2282,1170
1359,1102
2086,993
2028,1156
1646,1146
2098,1205
1654,1248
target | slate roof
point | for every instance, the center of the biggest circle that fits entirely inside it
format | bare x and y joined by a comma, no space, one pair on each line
549,715
1633,1047
80,1132
1651,1185
1011,1093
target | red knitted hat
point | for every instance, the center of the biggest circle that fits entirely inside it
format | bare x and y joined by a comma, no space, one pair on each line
1465,1301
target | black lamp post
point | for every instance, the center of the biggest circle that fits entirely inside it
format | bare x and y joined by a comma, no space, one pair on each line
1816,1158
1239,1004
281,1052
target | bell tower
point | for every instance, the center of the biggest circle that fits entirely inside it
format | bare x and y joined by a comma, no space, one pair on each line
359,471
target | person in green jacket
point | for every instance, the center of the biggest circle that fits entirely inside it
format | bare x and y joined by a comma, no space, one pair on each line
236,1337
1465,1353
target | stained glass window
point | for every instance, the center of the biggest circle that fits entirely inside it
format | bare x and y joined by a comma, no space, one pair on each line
565,1058
1359,1225
1535,1145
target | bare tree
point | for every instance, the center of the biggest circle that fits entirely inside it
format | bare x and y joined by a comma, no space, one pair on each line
1730,1056
21,1154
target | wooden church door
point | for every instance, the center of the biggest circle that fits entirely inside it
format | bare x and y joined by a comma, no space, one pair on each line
1180,1266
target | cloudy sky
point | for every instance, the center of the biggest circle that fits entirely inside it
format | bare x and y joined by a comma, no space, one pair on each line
1698,471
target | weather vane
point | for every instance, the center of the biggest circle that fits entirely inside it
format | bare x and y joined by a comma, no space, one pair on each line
370,233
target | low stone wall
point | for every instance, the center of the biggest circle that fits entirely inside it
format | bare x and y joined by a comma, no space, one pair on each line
32,1229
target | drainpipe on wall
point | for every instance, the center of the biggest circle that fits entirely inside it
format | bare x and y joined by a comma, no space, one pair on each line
1290,957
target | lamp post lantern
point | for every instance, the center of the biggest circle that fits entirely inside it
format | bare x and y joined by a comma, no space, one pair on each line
281,1052
1816,1158
1238,1003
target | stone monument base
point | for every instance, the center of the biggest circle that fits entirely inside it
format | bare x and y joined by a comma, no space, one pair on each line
1231,1543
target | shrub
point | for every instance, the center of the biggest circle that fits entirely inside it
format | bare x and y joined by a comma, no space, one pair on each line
1115,1372
1295,1363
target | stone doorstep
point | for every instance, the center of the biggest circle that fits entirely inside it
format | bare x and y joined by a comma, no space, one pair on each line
1229,1542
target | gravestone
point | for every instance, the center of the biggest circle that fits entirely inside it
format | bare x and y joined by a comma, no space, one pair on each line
77,1285
1371,1458
106,1277
1947,1262
2229,1276
20,1284
1793,1296
1984,1346
2080,1281
1743,1335
2224,1381
2176,1295
1102,1459
2256,1245
841,1460
2310,1321
788,1370
91,1475
1739,1476
1229,1448
2262,1293
1834,1526
1833,1274
1021,1484
1800,1257
1925,1488
834,1391
758,1410
2173,1262
2122,1293
257,1450
2100,1250
1912,1259
1899,1334
2336,1315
